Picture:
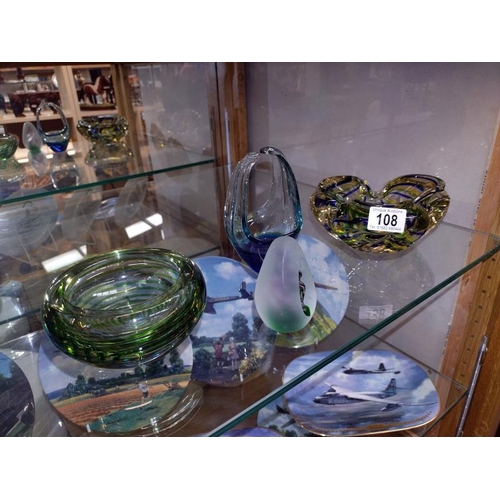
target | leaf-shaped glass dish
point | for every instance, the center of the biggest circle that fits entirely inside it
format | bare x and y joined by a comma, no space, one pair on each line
342,205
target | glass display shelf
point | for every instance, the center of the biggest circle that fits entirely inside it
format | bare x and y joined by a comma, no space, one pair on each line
225,408
163,208
172,159
42,232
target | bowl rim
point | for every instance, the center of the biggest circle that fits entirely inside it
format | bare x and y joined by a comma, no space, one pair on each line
89,121
67,280
377,197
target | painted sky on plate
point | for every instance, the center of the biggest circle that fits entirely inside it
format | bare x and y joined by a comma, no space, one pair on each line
412,382
327,269
223,278
5,366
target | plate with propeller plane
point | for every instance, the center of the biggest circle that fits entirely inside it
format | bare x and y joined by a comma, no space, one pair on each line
334,403
243,293
364,371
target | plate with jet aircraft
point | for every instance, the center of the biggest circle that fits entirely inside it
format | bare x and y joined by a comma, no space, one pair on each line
364,371
360,393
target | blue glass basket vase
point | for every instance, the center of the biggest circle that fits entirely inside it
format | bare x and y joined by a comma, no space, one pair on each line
63,170
262,204
57,140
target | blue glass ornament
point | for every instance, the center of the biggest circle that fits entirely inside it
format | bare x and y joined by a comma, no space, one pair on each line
57,140
33,143
63,170
262,204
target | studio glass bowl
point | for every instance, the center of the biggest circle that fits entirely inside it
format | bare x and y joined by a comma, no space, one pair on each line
10,169
104,129
342,205
8,145
124,308
106,132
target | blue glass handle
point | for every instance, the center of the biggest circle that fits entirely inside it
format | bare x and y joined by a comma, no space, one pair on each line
57,140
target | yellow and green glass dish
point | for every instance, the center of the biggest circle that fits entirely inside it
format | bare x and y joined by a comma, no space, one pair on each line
342,204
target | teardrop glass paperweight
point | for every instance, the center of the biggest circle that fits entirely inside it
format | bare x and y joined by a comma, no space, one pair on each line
285,293
262,204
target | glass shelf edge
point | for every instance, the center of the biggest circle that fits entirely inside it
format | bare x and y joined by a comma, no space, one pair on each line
89,185
229,424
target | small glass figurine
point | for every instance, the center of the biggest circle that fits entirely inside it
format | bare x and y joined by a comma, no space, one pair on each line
33,143
285,293
262,204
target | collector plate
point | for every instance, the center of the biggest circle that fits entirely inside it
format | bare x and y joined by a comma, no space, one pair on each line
251,432
231,344
276,416
118,401
361,393
17,405
332,289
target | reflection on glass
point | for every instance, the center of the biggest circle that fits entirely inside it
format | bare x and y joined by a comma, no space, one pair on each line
11,311
79,212
33,142
26,225
130,200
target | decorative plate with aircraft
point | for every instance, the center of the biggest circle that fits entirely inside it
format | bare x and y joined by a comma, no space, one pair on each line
231,344
119,401
276,416
17,405
332,290
251,432
360,393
